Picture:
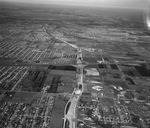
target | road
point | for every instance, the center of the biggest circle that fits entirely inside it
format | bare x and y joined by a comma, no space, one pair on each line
70,114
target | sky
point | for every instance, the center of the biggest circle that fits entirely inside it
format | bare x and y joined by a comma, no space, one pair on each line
104,3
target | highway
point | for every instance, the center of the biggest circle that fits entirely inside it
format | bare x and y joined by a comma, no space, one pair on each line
70,109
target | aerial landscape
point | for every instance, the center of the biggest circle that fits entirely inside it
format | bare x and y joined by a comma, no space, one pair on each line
67,66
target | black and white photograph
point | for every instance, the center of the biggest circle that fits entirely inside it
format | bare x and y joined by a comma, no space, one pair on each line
74,63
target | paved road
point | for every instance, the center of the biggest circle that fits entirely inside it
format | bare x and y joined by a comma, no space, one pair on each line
70,115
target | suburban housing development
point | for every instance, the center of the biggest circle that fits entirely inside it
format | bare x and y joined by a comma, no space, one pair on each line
73,67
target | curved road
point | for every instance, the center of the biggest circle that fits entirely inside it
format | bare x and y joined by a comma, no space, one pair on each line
70,114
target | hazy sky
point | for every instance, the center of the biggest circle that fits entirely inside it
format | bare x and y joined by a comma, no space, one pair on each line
118,3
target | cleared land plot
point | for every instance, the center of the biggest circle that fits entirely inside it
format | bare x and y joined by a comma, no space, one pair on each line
67,68
54,85
20,97
65,88
63,73
90,59
57,114
66,85
59,83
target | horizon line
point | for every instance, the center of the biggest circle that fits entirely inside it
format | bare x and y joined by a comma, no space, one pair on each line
69,4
